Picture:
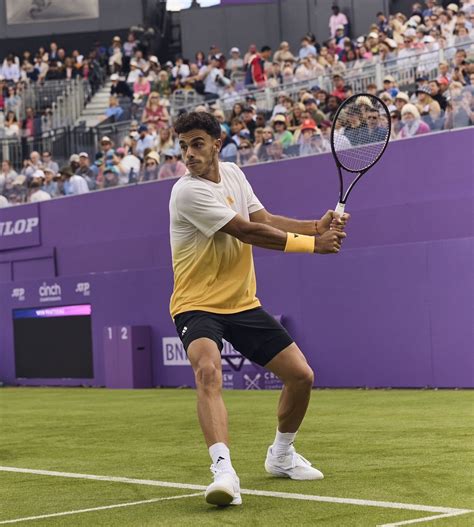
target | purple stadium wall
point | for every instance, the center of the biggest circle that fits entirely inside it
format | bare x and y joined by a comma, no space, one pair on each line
394,308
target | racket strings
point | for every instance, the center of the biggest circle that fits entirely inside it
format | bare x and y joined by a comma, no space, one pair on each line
361,131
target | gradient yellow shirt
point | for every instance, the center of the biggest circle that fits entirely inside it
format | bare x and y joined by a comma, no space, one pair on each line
213,271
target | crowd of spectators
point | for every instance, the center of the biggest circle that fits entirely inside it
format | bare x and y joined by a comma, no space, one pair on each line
299,122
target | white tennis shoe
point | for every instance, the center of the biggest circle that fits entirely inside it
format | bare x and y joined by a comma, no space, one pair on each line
291,465
225,489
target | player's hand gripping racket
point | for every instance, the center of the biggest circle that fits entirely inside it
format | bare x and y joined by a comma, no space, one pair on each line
359,136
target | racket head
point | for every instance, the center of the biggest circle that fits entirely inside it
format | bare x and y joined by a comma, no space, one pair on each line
360,132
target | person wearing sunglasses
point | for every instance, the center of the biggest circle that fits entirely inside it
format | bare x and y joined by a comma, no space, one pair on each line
173,167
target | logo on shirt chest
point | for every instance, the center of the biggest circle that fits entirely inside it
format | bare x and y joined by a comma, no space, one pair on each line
230,200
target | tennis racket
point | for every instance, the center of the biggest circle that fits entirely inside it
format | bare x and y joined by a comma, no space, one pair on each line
359,136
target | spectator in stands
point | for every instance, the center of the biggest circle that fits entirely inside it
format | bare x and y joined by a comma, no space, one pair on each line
165,140
107,151
389,85
163,85
235,63
214,79
37,194
128,164
31,124
119,87
281,132
141,88
7,176
311,106
155,112
151,167
180,70
306,49
249,120
338,90
429,109
50,185
114,111
129,48
134,72
10,70
412,122
261,148
111,177
311,140
376,132
336,19
229,148
436,94
11,126
48,162
276,152
85,170
458,113
283,53
145,141
172,167
12,101
245,155
73,184
256,67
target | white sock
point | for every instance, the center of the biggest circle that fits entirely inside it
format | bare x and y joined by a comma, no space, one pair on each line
220,456
282,443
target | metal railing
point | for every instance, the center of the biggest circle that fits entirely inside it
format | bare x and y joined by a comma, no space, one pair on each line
359,75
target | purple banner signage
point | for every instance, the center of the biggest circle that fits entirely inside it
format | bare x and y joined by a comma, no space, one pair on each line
60,311
20,227
403,286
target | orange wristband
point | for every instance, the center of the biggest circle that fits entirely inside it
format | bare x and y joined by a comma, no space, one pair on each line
299,243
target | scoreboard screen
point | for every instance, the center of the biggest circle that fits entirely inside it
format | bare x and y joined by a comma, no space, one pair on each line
53,342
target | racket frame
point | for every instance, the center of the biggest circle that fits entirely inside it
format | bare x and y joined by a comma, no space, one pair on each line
343,197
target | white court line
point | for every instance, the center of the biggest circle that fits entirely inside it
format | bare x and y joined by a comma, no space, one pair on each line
445,511
425,519
103,508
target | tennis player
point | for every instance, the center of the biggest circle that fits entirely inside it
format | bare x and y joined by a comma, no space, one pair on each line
215,220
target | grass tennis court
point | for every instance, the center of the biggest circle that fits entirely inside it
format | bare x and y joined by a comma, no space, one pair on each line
410,447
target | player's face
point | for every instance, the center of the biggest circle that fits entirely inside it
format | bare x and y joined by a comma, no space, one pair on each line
199,151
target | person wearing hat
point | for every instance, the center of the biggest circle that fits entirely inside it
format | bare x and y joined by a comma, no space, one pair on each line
389,85
36,192
412,123
309,139
281,132
229,148
172,167
134,73
73,184
401,99
236,62
119,87
429,109
50,185
111,177
283,53
115,55
85,171
145,141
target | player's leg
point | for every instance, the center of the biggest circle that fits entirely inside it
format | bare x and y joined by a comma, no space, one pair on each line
291,367
205,359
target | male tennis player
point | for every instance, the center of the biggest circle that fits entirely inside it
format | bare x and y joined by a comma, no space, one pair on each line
215,220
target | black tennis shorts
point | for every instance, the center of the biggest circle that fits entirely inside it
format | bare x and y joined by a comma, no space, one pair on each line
254,333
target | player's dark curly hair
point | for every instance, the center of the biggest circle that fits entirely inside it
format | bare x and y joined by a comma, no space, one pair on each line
198,121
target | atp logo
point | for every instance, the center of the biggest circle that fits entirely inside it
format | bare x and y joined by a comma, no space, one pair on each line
19,294
83,288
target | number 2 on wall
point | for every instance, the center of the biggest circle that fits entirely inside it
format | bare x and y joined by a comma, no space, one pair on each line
124,333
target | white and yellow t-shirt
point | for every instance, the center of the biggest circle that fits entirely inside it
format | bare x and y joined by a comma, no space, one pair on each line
213,271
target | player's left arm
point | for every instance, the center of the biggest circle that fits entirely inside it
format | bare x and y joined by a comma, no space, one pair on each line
330,220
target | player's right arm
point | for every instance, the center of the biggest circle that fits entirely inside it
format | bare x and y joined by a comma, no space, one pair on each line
267,237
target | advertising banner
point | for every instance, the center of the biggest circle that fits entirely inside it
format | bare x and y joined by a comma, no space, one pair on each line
20,227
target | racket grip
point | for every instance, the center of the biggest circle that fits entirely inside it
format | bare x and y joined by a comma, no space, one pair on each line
340,207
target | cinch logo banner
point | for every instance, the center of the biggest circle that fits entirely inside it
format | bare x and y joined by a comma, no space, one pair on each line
19,227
